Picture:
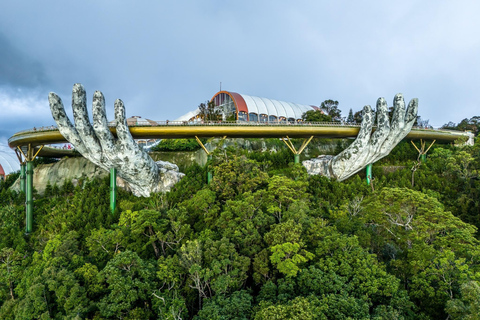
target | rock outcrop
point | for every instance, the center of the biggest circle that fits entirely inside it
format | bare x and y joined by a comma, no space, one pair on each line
66,169
78,169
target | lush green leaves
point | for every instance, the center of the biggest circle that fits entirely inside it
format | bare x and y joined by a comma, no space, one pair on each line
262,241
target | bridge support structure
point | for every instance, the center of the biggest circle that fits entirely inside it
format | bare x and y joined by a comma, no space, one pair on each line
113,189
29,153
22,169
209,157
23,173
296,153
369,173
422,153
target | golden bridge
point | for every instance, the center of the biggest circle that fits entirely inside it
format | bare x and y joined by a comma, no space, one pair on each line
172,130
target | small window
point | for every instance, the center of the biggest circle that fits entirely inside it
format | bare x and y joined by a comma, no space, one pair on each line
242,116
272,119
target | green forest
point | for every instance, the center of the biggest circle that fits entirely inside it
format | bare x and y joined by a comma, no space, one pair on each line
262,241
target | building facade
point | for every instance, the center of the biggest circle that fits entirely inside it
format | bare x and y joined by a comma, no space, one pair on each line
236,106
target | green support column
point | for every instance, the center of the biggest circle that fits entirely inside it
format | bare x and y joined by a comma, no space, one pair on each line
209,157
29,200
209,173
113,189
22,177
296,154
422,153
369,173
296,158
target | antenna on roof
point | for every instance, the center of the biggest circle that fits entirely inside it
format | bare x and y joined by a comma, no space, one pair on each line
220,85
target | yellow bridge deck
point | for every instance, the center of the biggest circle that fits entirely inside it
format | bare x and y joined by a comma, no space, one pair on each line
51,135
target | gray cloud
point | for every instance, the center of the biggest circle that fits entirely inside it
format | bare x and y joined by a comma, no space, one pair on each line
18,69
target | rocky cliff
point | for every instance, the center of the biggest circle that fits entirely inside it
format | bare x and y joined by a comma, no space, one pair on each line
79,168
66,169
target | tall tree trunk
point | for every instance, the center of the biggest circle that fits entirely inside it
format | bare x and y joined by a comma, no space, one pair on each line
152,234
11,290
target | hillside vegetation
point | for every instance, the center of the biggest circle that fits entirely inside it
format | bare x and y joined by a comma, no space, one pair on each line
263,240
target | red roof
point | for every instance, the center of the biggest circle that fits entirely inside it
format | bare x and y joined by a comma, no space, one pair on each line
269,107
2,172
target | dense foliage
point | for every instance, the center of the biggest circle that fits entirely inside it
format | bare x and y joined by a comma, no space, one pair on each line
316,116
177,145
466,124
262,241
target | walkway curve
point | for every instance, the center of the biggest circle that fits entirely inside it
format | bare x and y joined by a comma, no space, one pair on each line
51,135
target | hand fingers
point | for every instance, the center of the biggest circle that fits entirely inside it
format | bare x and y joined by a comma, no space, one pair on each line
398,130
123,133
397,123
364,150
383,123
382,114
65,127
79,106
398,118
82,122
409,119
412,111
366,126
343,162
100,123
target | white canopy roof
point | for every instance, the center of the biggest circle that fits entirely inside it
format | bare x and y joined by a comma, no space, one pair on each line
8,159
274,107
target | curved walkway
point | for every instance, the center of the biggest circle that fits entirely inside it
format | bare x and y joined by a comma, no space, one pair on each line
172,130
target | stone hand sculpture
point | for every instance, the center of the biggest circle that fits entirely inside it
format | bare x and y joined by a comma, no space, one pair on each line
98,144
368,147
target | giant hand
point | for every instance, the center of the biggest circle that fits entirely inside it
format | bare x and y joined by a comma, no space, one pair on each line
368,147
98,144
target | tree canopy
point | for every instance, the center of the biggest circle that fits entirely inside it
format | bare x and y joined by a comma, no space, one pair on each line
263,240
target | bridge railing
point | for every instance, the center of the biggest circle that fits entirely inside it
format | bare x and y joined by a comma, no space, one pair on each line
142,123
35,129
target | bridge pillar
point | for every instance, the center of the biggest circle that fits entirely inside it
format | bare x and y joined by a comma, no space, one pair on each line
19,154
209,157
369,173
113,189
422,153
296,154
29,198
29,153
209,170
22,177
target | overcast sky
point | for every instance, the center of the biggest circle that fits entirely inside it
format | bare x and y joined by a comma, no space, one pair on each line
163,58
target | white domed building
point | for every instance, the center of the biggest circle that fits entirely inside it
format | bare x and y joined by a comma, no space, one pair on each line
8,161
242,107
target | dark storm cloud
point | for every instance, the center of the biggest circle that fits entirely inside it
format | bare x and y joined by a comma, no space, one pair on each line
18,69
